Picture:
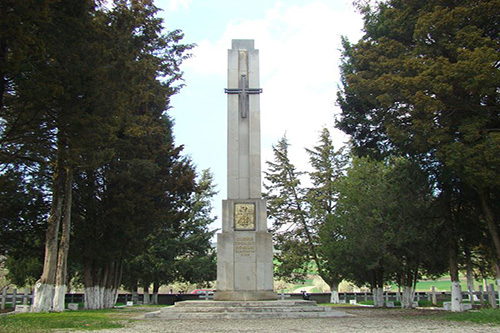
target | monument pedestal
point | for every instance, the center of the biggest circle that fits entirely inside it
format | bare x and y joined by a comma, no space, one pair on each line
245,295
244,253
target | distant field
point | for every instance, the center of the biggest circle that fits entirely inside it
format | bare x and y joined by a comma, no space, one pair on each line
441,284
444,284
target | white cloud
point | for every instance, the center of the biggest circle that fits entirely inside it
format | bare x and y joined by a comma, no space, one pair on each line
299,73
208,59
173,5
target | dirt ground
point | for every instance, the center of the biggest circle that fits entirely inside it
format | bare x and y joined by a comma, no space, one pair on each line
357,320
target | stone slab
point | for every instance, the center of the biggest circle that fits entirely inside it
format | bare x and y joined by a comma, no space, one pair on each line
73,306
22,308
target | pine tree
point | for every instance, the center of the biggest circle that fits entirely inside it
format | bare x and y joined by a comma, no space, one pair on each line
328,167
293,230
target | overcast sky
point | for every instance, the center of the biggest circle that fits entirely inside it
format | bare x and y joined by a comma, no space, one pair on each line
299,45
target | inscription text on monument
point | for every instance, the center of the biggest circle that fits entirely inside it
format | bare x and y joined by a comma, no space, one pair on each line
244,246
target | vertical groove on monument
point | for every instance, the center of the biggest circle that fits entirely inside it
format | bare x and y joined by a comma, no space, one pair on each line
244,247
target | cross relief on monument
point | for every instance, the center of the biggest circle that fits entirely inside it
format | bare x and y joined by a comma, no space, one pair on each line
243,91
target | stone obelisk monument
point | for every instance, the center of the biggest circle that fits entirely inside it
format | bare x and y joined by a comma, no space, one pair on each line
244,247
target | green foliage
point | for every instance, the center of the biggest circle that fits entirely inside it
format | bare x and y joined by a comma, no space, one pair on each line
299,212
383,227
328,168
23,212
180,249
293,232
24,269
423,83
86,89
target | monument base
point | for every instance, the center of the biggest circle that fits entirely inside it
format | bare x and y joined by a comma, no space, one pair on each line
243,295
244,256
216,310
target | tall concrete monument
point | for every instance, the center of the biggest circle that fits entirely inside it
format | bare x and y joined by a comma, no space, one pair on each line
244,247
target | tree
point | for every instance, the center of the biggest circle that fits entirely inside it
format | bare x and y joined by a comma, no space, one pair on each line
75,110
141,190
354,239
384,227
328,168
423,82
293,232
180,249
416,227
44,104
23,213
197,260
298,212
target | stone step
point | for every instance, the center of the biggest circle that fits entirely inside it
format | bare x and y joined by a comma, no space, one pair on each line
233,304
245,315
245,310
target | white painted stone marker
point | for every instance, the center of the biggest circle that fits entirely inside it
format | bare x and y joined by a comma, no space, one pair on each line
244,247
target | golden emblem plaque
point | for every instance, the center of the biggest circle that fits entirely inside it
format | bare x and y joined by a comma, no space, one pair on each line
244,216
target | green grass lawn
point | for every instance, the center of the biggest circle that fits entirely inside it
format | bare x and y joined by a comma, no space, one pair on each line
483,316
78,320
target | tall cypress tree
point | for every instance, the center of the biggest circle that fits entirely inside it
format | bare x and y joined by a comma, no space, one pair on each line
82,87
423,82
125,199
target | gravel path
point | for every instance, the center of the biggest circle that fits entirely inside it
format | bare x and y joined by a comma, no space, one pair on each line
359,320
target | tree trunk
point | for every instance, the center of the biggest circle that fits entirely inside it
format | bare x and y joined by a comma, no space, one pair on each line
334,293
62,258
87,282
378,297
156,289
408,297
497,273
117,278
146,295
44,287
490,221
470,275
456,290
91,278
92,298
101,286
378,289
135,296
110,290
